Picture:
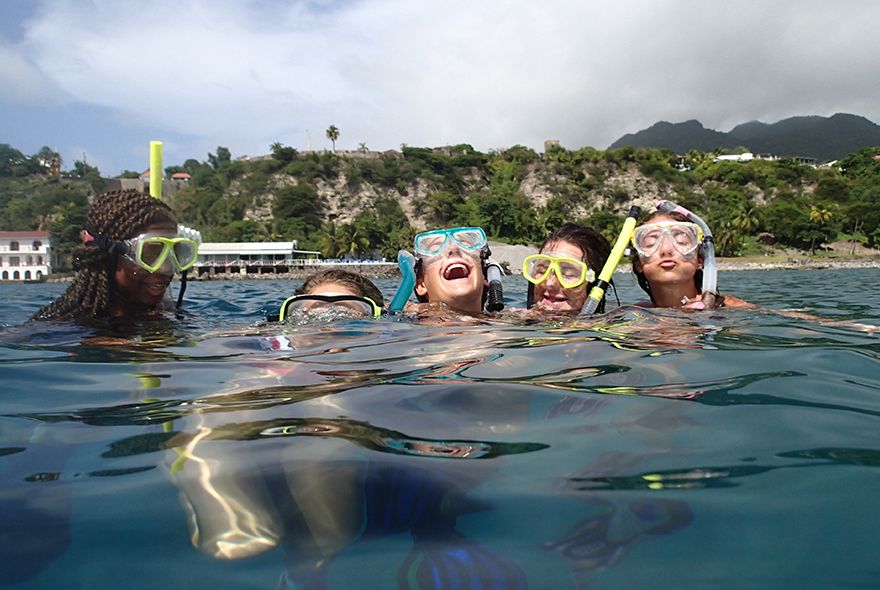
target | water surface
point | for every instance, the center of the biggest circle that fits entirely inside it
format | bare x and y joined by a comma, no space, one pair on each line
638,449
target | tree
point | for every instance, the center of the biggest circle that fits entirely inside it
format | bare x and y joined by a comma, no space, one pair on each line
283,153
333,135
746,220
819,217
362,148
221,160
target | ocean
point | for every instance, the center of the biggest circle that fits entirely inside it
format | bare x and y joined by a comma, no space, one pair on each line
640,448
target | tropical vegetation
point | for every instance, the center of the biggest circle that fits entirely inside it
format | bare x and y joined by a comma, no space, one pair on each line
370,204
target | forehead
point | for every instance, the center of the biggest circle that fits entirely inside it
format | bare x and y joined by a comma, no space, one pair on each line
564,248
165,228
663,219
333,288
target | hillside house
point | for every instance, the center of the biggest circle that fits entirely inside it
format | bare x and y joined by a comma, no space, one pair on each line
25,255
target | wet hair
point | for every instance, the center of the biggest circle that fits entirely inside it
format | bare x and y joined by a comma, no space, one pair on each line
116,215
359,284
640,276
595,247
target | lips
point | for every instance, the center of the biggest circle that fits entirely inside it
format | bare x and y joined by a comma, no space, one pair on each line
456,270
156,289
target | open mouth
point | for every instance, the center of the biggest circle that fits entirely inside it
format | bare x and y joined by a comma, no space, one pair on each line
456,270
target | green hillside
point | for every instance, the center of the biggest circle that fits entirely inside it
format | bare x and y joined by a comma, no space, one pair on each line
371,204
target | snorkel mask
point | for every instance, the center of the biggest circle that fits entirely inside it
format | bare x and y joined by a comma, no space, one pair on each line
570,272
334,307
684,236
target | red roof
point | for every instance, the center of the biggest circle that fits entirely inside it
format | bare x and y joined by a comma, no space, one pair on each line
24,234
180,175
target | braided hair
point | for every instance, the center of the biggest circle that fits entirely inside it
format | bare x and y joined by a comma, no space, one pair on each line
116,215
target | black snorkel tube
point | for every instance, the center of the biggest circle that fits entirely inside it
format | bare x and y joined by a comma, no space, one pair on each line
495,298
604,280
710,268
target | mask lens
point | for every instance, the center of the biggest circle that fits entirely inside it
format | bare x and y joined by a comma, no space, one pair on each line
430,243
571,273
331,306
537,268
186,251
470,239
152,253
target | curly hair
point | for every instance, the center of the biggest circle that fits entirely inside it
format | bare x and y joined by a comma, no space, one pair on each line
595,247
116,215
359,284
640,276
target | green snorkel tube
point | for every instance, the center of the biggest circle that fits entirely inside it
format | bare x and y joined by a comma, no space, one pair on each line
604,280
710,269
406,262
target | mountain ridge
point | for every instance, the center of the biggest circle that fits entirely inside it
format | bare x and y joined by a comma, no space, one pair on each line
813,136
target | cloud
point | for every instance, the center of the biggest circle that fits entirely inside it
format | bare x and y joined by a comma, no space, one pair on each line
22,83
492,73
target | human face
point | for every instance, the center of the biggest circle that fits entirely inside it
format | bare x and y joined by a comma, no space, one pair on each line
453,277
552,296
667,265
135,286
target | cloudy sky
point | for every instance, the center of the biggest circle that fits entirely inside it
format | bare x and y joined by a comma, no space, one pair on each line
101,78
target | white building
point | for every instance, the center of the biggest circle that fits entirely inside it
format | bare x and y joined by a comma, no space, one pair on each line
242,254
25,255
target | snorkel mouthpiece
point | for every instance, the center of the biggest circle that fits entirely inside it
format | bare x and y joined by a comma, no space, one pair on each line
406,262
710,268
603,282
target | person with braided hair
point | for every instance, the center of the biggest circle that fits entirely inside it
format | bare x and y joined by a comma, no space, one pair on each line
125,264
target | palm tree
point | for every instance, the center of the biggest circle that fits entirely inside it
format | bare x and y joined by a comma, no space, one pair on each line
362,147
333,135
746,220
818,217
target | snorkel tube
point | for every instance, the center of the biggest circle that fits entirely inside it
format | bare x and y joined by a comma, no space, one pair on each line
156,169
495,298
710,269
406,262
603,282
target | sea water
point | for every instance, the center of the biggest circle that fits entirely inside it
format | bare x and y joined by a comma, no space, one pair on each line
639,449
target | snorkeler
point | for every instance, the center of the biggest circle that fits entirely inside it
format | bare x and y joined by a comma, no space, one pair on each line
335,291
130,252
452,268
670,251
561,274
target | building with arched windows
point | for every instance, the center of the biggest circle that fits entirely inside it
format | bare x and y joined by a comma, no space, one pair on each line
25,255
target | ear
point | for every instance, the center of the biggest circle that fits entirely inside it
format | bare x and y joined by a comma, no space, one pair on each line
421,290
637,264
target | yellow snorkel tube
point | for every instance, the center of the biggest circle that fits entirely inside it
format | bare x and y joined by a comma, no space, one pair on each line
156,169
603,282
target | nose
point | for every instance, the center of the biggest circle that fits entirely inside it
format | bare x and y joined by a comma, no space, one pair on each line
452,249
552,280
666,246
